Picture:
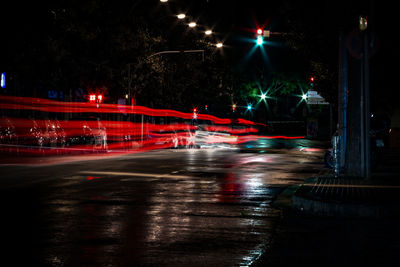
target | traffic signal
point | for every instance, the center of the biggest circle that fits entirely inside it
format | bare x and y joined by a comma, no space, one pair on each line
93,98
3,80
260,38
312,79
233,107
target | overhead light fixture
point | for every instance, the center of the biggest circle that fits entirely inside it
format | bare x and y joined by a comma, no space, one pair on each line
181,16
192,24
208,32
219,45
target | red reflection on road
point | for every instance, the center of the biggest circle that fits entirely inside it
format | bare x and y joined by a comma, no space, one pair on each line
231,189
92,178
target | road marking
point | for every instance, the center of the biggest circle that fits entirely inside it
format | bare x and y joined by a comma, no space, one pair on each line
137,174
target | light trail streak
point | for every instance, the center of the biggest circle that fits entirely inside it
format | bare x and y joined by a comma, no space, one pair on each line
90,134
137,174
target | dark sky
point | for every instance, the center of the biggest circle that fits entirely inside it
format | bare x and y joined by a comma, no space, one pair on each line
236,19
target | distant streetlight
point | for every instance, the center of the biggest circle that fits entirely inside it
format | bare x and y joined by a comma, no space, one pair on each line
192,24
181,16
208,32
163,1
219,45
263,96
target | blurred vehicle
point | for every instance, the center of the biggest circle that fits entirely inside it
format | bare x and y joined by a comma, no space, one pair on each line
88,132
211,139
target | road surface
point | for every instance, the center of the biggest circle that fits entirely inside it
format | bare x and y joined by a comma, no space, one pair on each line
207,207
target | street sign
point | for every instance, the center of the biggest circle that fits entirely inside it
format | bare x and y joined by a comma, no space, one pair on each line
313,98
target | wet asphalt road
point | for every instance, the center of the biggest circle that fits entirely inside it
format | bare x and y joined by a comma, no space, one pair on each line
201,207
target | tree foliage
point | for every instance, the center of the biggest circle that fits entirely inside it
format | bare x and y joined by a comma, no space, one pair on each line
106,46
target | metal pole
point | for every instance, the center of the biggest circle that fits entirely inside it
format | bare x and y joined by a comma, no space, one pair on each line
342,108
362,117
366,114
142,130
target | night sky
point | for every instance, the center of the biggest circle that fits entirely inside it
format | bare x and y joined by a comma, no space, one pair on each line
234,21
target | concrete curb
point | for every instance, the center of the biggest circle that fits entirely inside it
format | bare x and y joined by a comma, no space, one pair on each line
292,198
333,209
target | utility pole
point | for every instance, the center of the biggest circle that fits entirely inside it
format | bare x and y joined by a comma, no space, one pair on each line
342,96
365,106
355,115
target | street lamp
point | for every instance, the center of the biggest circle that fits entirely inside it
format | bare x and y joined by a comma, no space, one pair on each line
181,16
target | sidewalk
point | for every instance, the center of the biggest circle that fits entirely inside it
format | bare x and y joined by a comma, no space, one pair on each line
377,197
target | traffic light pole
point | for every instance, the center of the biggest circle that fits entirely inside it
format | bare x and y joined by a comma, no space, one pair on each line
365,111
343,97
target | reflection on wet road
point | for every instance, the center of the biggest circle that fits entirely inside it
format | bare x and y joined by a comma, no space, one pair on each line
171,207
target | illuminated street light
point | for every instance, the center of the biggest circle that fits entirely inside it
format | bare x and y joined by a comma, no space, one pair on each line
304,96
219,45
208,32
192,24
263,96
163,1
181,16
249,107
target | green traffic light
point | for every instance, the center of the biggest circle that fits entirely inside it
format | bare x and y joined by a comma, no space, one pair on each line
260,40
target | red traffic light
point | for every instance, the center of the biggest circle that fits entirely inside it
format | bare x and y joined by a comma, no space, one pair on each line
312,79
96,98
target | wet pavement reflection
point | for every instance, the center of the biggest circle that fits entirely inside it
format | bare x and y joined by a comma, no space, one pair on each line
170,207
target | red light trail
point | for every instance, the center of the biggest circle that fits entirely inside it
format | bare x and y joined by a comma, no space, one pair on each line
24,136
